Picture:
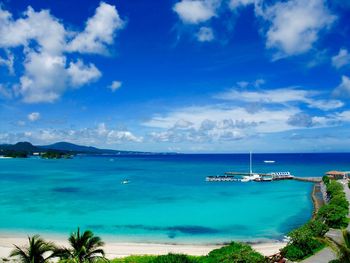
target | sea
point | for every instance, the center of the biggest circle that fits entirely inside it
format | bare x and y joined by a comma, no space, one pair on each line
167,199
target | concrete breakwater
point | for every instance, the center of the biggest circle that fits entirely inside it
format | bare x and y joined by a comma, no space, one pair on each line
309,179
317,196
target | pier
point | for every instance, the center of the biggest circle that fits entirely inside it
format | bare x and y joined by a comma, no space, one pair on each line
309,179
231,177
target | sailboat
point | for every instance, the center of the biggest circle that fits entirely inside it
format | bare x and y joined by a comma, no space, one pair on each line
252,176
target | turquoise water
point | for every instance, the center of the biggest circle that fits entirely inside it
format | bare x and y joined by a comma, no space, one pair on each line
167,199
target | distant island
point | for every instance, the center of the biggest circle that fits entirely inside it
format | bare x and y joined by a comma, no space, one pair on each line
55,151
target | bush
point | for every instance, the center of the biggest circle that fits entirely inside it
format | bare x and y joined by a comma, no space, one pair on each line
170,258
293,252
134,259
340,200
334,214
173,258
325,180
234,253
303,242
334,188
318,228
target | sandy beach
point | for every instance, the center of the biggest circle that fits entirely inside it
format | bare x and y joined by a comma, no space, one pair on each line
122,249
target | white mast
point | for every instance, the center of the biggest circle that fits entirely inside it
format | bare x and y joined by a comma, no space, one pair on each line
250,163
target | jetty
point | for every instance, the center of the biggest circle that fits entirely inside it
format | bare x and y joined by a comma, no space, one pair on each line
309,179
232,176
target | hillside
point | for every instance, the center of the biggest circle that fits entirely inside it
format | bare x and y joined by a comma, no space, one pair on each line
65,147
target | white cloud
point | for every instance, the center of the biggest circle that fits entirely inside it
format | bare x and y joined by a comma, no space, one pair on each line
343,90
48,69
99,31
238,3
281,96
220,117
196,11
8,62
115,85
81,74
342,59
44,79
34,116
205,34
295,25
39,26
85,136
218,123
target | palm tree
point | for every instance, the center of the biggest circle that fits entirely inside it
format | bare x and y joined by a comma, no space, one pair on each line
84,248
343,248
35,252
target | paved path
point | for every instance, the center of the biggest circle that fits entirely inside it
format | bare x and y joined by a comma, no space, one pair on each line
347,195
323,256
327,254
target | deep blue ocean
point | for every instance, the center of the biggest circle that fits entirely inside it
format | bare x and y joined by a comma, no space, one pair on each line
167,199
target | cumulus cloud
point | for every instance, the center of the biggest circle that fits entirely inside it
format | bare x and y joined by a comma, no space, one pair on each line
343,90
86,136
8,62
196,11
81,74
34,116
295,25
281,96
46,44
205,34
99,31
341,59
44,79
290,27
115,85
234,4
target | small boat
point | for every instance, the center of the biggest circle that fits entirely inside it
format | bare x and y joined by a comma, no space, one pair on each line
249,178
126,181
269,161
264,179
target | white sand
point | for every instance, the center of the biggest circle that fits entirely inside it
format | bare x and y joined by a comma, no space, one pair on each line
120,249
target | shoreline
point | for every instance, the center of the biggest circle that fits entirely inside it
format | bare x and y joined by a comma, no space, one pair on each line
119,249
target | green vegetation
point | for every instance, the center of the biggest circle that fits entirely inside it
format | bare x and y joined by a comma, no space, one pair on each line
304,241
235,252
334,214
232,253
55,155
15,154
325,179
84,248
344,248
134,259
309,238
37,251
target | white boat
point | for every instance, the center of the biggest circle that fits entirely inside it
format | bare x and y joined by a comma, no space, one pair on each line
249,178
269,161
126,181
252,176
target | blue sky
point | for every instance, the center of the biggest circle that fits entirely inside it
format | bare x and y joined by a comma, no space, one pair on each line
187,76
